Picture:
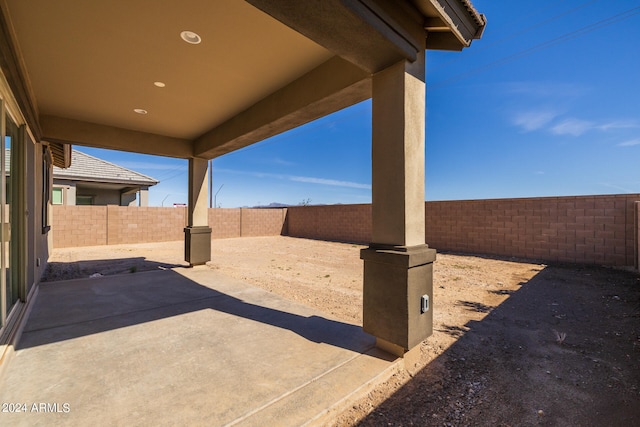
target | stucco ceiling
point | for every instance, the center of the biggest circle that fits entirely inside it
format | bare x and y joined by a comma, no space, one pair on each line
97,61
79,69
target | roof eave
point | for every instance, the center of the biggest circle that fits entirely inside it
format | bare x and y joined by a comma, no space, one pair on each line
105,181
455,25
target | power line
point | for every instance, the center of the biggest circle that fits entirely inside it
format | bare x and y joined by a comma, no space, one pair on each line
170,172
514,35
544,45
175,175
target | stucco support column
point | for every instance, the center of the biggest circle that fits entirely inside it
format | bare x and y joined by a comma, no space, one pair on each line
71,195
197,247
143,197
398,265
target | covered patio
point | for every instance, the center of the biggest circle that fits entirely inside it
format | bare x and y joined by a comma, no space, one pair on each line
196,80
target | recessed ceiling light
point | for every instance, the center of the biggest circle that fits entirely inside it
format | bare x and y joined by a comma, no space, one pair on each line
140,111
159,84
190,37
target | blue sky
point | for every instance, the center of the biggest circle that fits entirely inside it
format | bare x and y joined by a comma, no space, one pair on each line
547,103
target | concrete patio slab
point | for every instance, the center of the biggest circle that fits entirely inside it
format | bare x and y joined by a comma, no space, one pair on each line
183,347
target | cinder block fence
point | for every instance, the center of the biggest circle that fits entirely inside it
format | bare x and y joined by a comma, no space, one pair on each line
113,225
591,230
584,229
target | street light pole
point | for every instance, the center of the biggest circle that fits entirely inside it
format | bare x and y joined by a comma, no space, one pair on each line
216,195
210,182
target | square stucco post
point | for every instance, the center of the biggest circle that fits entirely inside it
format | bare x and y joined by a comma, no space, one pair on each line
398,265
143,197
71,195
197,243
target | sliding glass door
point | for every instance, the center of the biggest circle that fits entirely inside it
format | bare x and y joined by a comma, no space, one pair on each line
11,186
10,241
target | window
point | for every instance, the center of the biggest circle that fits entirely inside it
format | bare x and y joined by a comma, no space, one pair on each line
84,200
56,196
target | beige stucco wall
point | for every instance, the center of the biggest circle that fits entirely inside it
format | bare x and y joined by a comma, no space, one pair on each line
101,196
37,238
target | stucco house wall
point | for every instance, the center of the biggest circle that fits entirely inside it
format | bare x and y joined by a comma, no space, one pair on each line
100,196
38,243
106,196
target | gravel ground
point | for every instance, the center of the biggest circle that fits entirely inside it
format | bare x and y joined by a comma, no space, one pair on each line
514,343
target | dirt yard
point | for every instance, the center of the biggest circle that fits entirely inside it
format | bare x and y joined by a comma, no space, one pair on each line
514,343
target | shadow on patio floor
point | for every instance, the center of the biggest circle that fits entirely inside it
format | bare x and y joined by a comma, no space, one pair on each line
104,267
75,308
183,346
513,368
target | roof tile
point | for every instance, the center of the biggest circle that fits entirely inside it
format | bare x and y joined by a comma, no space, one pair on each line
88,168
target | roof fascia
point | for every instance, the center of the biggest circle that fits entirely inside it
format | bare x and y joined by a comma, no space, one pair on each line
373,34
89,180
144,178
462,24
130,190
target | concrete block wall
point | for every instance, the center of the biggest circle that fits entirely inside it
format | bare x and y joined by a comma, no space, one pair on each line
75,226
224,223
144,224
78,226
346,223
583,229
262,222
637,227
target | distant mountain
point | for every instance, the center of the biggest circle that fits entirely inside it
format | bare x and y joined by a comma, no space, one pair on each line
281,205
270,205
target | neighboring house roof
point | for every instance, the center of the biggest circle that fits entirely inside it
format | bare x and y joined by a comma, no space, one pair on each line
88,168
